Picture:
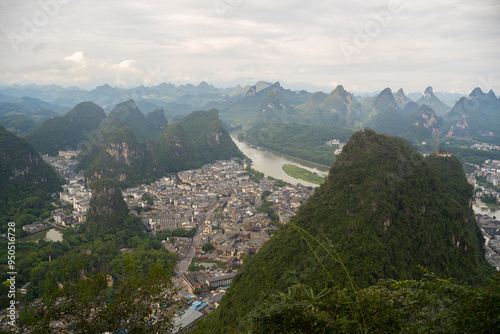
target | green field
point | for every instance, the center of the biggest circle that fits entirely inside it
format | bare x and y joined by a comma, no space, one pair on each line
303,174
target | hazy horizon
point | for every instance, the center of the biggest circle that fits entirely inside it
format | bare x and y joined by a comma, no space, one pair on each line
293,87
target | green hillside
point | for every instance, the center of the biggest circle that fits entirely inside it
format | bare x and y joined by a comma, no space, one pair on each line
383,212
156,122
26,182
144,127
123,158
304,141
198,139
22,115
68,132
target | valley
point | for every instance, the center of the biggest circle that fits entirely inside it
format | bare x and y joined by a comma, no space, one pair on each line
169,191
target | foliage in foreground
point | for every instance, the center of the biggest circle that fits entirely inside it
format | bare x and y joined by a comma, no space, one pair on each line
135,303
106,276
429,305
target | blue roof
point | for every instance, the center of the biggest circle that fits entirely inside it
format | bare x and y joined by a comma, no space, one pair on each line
197,306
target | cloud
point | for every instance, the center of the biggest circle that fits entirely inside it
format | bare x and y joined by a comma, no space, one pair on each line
446,43
77,58
126,73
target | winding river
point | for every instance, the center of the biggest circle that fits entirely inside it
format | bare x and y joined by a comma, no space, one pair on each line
270,163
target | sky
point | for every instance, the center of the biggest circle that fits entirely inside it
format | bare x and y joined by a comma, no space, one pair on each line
451,45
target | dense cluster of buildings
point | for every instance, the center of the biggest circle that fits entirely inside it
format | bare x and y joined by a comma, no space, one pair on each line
75,198
485,147
221,195
336,142
485,181
490,170
490,228
64,163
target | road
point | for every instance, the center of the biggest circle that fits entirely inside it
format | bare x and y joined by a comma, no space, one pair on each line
183,264
55,225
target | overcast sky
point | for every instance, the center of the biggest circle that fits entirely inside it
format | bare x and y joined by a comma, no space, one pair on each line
452,45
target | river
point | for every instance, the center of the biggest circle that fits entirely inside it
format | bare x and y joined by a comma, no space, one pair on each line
47,235
270,163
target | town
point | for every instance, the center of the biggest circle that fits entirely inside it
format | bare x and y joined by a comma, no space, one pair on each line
485,179
229,210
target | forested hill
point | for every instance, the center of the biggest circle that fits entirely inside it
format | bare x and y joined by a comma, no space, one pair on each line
198,139
384,211
25,179
67,132
144,127
90,282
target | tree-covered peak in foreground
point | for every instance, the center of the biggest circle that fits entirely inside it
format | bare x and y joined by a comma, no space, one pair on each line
384,216
107,276
26,182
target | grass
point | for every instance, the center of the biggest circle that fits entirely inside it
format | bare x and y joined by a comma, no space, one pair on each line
220,265
303,174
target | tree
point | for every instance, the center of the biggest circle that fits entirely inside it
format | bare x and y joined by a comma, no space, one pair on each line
134,303
265,193
429,305
489,198
207,247
148,199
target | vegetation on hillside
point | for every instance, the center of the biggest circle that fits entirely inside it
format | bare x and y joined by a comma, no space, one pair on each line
27,182
427,305
145,128
22,115
303,141
68,132
106,275
385,213
197,139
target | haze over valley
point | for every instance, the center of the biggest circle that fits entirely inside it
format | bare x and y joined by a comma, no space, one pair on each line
249,167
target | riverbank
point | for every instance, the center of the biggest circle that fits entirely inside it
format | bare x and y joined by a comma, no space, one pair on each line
482,205
303,174
269,163
323,168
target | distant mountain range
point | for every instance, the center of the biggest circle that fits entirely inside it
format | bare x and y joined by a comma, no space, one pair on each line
146,110
107,97
476,116
431,100
21,115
